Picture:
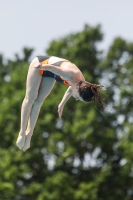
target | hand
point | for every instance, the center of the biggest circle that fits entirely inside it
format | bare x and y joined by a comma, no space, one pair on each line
60,110
38,66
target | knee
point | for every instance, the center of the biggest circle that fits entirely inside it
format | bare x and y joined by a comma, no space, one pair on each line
38,102
30,99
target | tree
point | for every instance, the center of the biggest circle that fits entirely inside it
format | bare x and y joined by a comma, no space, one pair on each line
87,154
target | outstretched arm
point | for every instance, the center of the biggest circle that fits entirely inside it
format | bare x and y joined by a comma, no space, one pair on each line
65,98
64,72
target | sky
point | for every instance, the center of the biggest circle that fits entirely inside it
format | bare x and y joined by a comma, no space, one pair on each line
34,23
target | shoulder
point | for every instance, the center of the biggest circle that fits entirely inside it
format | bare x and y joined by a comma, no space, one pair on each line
72,68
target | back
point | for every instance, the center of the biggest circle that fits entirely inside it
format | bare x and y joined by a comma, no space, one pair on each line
54,59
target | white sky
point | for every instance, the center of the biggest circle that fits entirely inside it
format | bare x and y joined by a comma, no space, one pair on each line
34,23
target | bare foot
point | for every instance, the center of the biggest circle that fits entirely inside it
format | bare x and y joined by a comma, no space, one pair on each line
20,141
27,142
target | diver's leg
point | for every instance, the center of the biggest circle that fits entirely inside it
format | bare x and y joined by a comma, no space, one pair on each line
32,86
44,90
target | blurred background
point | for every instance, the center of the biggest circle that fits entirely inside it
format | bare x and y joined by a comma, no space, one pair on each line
87,155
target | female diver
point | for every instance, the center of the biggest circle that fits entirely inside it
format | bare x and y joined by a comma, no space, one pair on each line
43,72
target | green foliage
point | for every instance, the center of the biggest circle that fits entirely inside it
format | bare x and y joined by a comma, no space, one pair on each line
80,48
85,156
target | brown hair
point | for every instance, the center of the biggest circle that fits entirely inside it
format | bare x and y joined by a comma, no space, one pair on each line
89,92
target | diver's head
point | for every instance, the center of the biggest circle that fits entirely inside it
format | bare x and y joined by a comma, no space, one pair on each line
89,92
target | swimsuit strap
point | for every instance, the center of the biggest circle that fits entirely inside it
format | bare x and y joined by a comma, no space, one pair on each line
59,63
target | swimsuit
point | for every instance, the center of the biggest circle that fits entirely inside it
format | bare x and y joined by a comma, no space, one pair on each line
44,60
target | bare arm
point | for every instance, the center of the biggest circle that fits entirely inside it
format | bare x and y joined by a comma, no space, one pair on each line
64,72
65,98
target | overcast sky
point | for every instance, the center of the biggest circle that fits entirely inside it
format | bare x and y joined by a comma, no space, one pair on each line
34,23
